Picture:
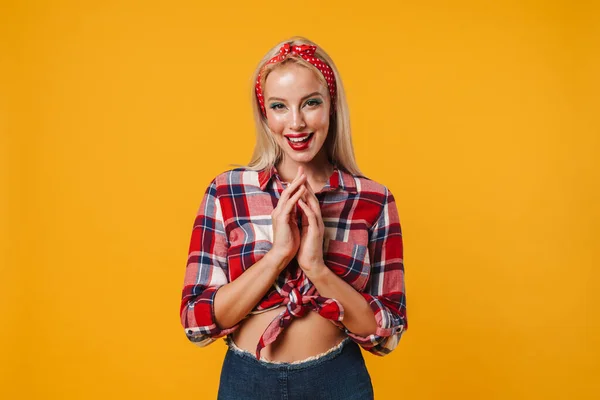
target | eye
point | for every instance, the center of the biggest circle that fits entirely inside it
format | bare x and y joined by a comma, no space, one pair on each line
313,102
276,106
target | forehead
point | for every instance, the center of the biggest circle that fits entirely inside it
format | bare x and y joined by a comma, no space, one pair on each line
292,80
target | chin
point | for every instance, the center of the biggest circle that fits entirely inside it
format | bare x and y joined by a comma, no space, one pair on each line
299,158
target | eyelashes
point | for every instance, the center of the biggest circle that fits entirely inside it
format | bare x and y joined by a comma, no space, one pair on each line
310,103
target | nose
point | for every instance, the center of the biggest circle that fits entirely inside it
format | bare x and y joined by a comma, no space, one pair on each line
297,120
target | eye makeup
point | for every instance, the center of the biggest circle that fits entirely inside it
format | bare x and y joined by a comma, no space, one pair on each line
310,102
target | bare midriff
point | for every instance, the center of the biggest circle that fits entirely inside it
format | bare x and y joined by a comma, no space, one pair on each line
305,337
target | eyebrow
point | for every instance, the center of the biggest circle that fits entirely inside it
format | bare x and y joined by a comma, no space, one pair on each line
308,95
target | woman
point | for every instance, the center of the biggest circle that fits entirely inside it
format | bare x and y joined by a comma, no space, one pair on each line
296,259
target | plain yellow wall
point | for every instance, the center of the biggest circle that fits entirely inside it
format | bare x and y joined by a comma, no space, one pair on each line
481,117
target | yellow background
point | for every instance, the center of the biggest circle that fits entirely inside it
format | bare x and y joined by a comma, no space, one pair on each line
481,117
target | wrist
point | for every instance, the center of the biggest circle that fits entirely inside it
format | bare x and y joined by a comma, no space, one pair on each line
318,273
276,260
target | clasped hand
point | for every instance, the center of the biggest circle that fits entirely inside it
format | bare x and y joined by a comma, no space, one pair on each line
288,240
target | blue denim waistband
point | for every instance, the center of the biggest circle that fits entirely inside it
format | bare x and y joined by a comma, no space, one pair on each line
301,364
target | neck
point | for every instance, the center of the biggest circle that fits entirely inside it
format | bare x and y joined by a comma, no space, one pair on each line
317,171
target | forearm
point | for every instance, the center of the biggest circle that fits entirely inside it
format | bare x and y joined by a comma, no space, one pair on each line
358,316
236,299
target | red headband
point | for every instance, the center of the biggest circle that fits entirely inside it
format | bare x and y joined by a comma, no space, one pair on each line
307,52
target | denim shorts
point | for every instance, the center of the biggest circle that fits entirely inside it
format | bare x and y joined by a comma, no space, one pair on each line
339,373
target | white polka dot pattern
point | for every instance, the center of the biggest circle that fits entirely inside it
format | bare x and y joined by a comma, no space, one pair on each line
307,52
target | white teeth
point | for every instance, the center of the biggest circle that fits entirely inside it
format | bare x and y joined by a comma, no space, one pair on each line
298,140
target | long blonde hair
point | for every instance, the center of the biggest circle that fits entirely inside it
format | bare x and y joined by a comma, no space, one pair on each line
338,144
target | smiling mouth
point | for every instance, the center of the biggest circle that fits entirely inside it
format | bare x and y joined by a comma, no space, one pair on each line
299,140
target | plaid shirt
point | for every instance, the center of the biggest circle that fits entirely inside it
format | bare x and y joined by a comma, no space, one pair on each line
362,245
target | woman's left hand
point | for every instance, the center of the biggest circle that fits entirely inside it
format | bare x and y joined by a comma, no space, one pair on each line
310,252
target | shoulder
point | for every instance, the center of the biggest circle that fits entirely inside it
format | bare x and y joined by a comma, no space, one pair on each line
367,187
236,177
371,192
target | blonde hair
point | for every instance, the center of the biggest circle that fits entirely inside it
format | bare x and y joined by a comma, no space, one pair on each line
338,144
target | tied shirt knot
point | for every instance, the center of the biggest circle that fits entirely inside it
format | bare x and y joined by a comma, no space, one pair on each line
297,305
294,303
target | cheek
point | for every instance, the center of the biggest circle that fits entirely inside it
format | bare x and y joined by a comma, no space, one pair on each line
275,124
320,119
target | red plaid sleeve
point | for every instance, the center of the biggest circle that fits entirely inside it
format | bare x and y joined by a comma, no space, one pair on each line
385,290
206,272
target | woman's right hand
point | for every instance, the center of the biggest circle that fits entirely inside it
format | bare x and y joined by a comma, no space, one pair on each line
286,234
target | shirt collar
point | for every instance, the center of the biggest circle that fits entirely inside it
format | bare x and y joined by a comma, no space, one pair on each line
338,179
